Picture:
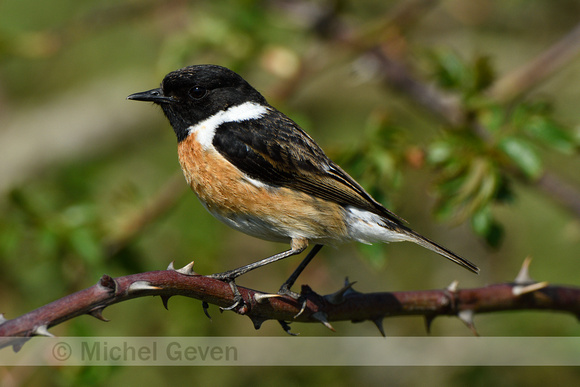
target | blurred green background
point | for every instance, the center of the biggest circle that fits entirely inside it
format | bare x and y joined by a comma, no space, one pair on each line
81,168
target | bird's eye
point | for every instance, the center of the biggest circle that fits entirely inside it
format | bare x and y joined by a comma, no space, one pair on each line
197,92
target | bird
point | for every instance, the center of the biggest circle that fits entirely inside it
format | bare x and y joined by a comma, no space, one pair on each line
259,172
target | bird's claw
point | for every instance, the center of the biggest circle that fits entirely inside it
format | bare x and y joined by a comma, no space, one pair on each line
285,291
238,299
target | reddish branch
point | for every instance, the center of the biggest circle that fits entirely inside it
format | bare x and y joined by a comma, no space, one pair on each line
344,305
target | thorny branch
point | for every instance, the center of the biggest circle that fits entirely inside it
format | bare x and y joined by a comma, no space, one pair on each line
344,305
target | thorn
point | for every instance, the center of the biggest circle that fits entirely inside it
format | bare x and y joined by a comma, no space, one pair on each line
260,298
379,323
108,283
466,316
165,300
2,319
205,307
257,321
187,269
322,317
98,314
42,331
519,290
170,266
302,308
523,276
16,347
428,321
338,296
286,327
453,286
142,285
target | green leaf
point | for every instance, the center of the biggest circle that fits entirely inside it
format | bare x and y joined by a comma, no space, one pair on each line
522,153
86,245
551,134
450,70
493,118
486,226
384,162
484,73
504,192
494,236
445,209
439,152
481,221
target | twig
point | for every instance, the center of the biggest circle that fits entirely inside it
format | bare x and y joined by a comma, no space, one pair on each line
343,305
398,76
164,200
538,69
561,191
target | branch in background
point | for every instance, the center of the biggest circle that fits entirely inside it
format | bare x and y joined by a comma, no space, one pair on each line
561,191
160,204
535,71
398,76
343,305
403,16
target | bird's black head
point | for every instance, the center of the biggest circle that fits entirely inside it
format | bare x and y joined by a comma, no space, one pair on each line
195,93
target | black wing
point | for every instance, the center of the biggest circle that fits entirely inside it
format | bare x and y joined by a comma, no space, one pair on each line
276,151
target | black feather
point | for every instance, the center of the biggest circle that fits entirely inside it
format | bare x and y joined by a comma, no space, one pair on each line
276,151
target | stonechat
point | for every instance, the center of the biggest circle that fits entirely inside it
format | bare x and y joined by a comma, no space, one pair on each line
257,171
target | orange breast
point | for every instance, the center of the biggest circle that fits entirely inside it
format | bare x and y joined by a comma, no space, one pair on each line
272,213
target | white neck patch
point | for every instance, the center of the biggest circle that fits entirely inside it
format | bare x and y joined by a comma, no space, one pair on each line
205,129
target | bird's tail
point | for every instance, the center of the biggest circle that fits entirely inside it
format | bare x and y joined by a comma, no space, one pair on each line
428,244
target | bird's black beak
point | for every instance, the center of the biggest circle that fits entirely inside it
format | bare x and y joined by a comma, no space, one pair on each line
154,95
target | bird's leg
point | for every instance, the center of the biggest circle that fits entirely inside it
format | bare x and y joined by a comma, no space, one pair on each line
285,288
297,246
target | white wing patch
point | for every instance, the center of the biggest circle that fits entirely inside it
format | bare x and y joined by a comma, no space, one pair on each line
255,183
367,227
205,130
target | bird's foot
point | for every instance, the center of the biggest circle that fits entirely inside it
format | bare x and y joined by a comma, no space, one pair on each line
285,291
231,280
